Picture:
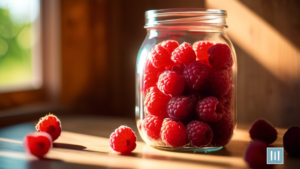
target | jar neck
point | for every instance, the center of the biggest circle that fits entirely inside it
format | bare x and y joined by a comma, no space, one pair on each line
186,18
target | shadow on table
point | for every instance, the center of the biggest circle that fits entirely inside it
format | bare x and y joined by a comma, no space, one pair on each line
68,146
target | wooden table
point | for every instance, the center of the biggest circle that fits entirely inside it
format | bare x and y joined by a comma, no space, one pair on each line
84,144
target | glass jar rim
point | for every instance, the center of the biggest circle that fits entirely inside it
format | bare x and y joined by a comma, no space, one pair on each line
185,16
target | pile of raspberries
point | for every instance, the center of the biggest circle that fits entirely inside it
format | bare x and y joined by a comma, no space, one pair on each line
187,94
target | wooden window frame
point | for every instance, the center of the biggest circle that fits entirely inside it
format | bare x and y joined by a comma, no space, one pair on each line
29,99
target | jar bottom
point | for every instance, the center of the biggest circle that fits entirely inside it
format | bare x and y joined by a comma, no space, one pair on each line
190,149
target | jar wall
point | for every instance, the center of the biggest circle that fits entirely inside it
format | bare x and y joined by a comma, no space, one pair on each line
216,35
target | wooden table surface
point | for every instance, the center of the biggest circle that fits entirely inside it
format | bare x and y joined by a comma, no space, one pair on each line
84,144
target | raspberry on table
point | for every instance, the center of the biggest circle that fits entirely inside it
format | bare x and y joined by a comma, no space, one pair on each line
209,110
123,140
199,133
219,55
173,133
38,143
201,49
51,125
183,54
256,155
180,108
291,140
223,130
170,45
156,102
264,131
218,83
160,57
152,126
196,74
170,83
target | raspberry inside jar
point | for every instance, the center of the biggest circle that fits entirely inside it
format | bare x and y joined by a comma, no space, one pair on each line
186,81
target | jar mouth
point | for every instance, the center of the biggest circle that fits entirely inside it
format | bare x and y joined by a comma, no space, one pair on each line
185,16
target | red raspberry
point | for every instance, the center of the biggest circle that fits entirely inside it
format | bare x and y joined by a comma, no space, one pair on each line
38,143
151,75
218,83
208,110
173,133
222,130
156,102
152,126
195,75
180,108
264,131
256,155
123,140
291,140
51,125
160,57
170,83
170,45
178,69
219,55
201,49
183,54
199,133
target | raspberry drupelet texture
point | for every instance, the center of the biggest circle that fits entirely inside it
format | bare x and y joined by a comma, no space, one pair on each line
170,45
196,74
178,69
123,140
38,143
222,130
151,75
173,133
256,155
183,54
264,131
219,55
152,126
156,102
291,140
170,83
51,125
201,49
160,57
218,83
199,133
209,110
180,108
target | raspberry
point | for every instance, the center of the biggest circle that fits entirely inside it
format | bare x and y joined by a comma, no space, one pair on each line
291,140
173,133
264,131
51,125
195,75
222,130
170,45
152,126
151,75
199,133
183,54
256,155
219,55
170,83
218,83
178,69
180,108
123,140
160,57
38,143
201,49
209,110
156,102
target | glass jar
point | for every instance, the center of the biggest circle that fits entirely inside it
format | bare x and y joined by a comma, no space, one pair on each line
186,81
